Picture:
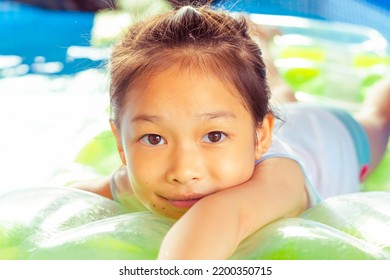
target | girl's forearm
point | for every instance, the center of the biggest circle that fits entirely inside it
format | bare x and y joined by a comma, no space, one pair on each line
215,226
203,233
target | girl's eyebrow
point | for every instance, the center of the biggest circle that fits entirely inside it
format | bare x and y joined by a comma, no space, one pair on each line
218,115
206,116
146,118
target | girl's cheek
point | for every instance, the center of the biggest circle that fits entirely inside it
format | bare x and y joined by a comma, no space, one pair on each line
234,171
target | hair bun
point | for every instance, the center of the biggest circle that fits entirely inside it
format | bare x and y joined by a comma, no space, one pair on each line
177,4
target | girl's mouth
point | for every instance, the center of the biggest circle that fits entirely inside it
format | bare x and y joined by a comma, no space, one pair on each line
187,203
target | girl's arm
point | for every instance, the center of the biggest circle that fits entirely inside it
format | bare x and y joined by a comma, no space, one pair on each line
215,226
102,186
99,186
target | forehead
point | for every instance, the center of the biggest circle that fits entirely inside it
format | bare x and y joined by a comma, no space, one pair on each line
177,86
177,81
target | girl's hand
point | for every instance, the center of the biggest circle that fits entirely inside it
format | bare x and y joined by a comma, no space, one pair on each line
215,226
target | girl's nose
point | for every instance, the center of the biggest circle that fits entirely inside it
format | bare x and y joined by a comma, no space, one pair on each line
185,167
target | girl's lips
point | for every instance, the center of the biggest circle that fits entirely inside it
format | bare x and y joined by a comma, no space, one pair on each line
187,203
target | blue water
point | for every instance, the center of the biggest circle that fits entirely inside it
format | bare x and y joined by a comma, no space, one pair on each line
373,13
41,36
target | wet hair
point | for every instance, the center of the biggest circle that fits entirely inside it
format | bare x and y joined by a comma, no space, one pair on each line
199,38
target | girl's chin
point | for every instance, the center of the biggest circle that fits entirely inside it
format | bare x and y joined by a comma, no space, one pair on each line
169,212
170,208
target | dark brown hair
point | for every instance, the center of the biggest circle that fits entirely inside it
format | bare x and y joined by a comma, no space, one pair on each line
200,38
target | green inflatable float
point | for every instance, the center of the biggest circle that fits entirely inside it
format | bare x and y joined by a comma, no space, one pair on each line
64,223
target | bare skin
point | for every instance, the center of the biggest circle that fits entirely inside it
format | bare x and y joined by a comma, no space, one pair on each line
245,211
374,116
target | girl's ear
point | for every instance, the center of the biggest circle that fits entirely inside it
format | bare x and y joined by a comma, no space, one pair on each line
118,139
264,135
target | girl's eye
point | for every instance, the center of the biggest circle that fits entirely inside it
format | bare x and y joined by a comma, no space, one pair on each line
153,139
214,137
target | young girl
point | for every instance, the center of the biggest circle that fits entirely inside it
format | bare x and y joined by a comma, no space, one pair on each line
196,135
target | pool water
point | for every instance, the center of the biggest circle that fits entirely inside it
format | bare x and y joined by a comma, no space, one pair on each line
371,13
39,40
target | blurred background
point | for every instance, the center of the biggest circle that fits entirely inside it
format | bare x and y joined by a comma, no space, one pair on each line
54,85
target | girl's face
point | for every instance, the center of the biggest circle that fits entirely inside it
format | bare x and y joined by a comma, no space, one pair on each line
184,136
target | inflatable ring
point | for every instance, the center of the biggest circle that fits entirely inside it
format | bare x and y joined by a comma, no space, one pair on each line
44,211
62,223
